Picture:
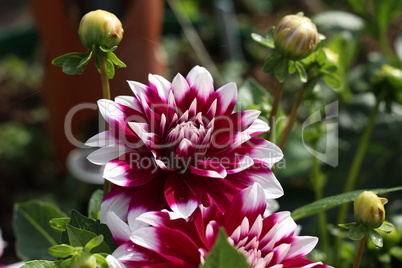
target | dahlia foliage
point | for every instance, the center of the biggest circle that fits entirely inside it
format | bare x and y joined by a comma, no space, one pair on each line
184,165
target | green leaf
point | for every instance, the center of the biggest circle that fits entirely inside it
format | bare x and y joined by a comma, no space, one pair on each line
33,232
71,65
224,255
85,59
301,71
385,11
95,204
94,242
281,70
115,60
59,224
42,264
61,251
348,225
271,62
265,41
396,252
334,201
106,50
333,80
101,260
93,226
109,69
357,233
59,61
79,238
376,238
359,6
386,227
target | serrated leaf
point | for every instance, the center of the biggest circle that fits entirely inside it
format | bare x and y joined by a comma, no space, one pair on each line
271,62
301,71
224,255
115,60
94,204
42,264
33,232
61,251
334,201
357,233
376,238
59,224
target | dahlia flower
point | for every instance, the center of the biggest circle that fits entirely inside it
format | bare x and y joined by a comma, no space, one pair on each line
167,240
180,144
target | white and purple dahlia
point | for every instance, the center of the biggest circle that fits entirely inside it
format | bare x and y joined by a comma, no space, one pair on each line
164,239
180,144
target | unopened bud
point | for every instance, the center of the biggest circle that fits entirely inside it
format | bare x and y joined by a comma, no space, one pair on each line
369,209
83,260
100,28
296,36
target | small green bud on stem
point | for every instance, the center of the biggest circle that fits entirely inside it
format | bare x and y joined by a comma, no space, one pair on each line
296,36
100,28
369,209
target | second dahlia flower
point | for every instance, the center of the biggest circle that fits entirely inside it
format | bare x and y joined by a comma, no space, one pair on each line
166,240
180,144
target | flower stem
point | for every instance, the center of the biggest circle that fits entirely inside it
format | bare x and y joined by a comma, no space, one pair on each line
318,185
107,186
358,159
359,254
275,106
292,116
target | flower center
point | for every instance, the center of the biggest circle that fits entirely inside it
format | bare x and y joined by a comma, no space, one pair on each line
185,130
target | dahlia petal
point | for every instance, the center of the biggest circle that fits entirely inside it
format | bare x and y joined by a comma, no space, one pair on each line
102,139
113,262
185,149
237,163
161,84
201,80
263,150
129,101
181,89
172,244
105,154
130,174
227,97
119,229
211,113
209,168
141,129
257,127
117,201
182,195
301,246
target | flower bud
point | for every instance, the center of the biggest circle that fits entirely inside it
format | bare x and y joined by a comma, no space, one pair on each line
100,28
369,210
296,36
83,260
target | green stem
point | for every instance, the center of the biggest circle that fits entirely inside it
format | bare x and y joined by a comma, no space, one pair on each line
355,168
107,186
386,49
292,116
358,159
275,106
359,254
318,185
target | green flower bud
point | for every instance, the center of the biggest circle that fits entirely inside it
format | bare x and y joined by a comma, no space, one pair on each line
369,209
83,260
100,28
296,36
